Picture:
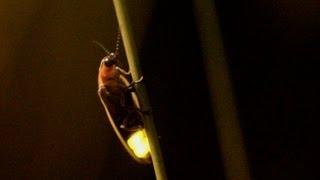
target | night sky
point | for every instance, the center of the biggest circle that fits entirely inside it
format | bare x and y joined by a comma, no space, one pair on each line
54,127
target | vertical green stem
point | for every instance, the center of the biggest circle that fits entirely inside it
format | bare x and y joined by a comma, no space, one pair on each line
228,130
133,61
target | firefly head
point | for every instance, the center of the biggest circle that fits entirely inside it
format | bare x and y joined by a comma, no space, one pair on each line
109,60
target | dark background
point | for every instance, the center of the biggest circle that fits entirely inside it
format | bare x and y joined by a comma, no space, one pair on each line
53,125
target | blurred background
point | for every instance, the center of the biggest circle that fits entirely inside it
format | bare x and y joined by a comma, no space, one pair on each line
52,125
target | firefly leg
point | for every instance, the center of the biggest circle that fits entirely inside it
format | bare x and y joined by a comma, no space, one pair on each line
131,87
133,120
123,71
139,80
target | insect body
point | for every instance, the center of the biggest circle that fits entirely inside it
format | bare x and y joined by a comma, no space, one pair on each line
117,95
122,105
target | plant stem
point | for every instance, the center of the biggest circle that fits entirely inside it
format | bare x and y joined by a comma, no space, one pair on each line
133,61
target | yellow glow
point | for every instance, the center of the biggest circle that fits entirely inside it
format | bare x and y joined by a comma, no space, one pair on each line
139,143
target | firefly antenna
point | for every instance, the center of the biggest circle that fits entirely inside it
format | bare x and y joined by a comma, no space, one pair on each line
100,45
118,42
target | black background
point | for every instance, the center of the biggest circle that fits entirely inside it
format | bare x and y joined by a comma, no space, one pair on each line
53,125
